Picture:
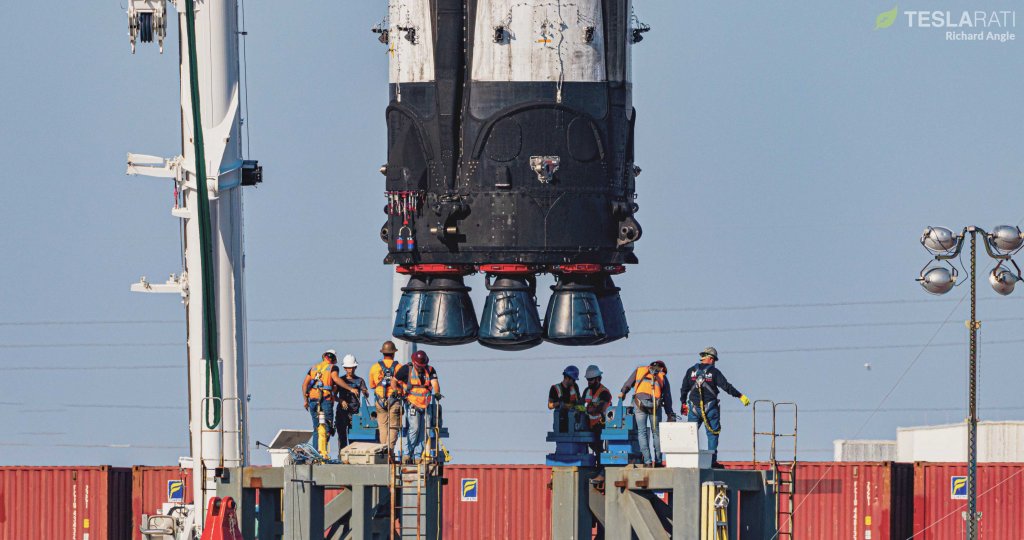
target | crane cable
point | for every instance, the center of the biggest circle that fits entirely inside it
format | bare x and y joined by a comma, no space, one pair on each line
210,343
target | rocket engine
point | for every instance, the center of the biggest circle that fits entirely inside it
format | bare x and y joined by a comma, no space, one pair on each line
510,152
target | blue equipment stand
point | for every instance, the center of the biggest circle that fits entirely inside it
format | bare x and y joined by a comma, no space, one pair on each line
620,434
364,424
571,445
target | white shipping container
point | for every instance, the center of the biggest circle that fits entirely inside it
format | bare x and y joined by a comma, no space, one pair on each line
864,450
998,442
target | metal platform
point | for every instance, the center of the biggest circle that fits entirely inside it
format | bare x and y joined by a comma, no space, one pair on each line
631,503
288,503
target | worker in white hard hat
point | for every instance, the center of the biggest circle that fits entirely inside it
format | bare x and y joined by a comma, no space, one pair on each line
596,400
701,385
348,398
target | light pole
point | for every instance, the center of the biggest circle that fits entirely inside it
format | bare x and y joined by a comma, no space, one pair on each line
1000,244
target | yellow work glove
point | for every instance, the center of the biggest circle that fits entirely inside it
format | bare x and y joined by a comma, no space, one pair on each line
745,401
580,408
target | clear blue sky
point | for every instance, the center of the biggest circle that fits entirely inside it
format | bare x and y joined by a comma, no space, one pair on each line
792,155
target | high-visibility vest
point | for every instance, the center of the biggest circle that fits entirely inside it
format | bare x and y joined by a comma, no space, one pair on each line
383,387
648,383
322,386
418,390
573,397
590,398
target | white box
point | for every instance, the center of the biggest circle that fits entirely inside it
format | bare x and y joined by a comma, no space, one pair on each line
683,446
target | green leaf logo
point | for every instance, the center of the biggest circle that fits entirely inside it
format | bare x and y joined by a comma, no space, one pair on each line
885,19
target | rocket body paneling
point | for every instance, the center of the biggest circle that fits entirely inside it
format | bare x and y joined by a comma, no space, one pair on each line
527,79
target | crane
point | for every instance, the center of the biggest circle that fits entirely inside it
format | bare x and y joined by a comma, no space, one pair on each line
207,179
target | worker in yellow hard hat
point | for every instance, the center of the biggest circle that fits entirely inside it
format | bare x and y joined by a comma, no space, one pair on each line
319,388
701,385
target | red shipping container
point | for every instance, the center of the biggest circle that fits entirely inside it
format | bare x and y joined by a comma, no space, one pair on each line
939,502
497,501
851,500
67,503
150,491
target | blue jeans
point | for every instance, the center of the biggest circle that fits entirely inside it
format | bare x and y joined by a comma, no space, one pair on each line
714,423
314,413
419,426
645,429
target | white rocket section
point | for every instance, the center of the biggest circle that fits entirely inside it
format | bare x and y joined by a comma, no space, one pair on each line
410,41
217,54
544,41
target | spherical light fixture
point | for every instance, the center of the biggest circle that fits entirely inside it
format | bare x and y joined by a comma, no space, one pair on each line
938,239
1006,238
938,280
1002,280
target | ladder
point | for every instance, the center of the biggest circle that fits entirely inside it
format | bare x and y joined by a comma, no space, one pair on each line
781,464
407,487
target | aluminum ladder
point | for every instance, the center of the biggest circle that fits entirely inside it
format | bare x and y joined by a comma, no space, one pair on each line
783,470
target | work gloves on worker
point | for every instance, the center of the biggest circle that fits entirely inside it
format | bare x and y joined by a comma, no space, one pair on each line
685,409
745,400
438,396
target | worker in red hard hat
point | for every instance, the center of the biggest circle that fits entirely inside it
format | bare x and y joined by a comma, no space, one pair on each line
417,383
652,393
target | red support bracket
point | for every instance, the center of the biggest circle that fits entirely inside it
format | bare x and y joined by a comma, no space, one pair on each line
221,521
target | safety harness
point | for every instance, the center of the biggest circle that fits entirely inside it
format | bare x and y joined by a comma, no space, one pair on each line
700,377
389,373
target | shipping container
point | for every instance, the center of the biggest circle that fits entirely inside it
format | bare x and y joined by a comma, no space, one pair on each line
998,442
940,500
497,501
862,501
152,487
66,503
864,450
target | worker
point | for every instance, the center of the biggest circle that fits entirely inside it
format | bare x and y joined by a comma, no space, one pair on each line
596,400
700,397
320,385
348,402
651,394
417,382
389,405
565,396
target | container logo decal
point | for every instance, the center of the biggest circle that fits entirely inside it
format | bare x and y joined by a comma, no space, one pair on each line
469,490
175,491
958,487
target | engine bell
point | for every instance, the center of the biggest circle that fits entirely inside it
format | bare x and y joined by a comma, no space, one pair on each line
436,310
612,311
573,316
510,320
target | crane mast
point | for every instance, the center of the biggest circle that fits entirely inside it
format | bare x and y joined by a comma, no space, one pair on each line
208,177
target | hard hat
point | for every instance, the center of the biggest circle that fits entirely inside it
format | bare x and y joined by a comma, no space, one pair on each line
593,371
661,364
349,361
331,354
420,359
710,351
388,348
572,372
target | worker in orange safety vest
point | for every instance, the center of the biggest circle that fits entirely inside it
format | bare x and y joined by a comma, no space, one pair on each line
417,383
652,393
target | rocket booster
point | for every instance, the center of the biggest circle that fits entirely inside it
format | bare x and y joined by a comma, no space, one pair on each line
510,152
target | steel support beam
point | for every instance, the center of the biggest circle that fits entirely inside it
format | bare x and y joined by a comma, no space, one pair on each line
570,502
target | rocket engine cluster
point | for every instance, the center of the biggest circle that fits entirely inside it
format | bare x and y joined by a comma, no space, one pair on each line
510,152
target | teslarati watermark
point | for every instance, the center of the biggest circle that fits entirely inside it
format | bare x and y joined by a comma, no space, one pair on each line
964,25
